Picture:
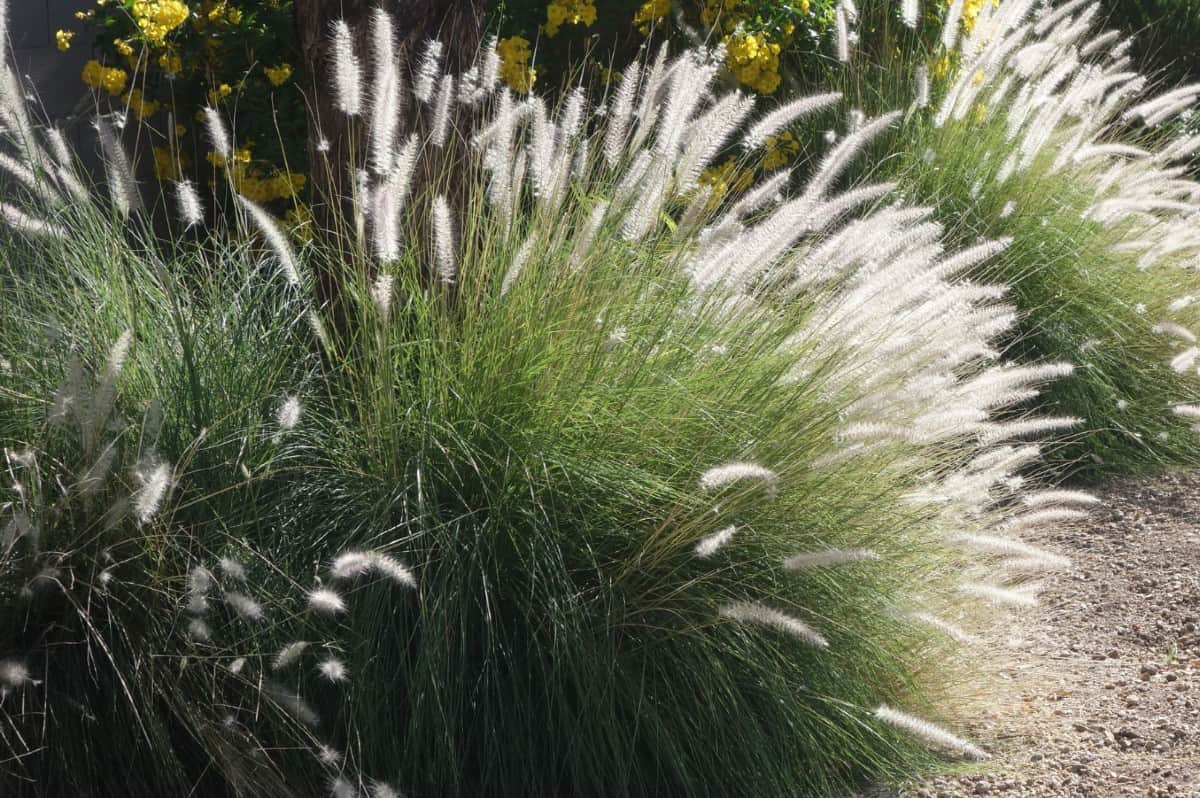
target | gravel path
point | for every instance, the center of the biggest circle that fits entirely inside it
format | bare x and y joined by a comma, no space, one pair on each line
1098,694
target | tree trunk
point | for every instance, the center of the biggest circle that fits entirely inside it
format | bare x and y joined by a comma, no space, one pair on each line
458,24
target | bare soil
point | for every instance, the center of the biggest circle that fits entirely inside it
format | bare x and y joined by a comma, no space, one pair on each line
1098,689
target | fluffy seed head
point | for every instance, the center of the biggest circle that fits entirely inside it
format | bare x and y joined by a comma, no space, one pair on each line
326,601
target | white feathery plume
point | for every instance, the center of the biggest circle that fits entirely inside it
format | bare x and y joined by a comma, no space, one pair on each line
187,200
583,243
1011,548
382,289
926,730
342,787
999,595
276,240
842,30
827,557
785,115
922,87
950,26
244,606
350,564
381,789
953,631
288,655
122,186
328,755
618,116
14,675
517,267
1185,359
750,612
708,546
386,98
489,73
22,222
445,248
724,475
326,601
427,71
910,12
333,670
199,631
388,201
347,72
1187,411
354,563
1176,330
393,569
148,498
1044,497
218,135
288,415
232,568
441,115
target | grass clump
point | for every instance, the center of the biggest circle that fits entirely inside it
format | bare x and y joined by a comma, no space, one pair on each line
593,482
1043,135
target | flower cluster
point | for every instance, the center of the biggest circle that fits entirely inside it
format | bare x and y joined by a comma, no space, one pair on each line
109,79
753,60
515,70
650,13
571,12
157,19
174,57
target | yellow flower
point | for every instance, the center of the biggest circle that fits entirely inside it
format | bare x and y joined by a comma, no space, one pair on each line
515,71
171,64
157,18
779,149
234,15
123,47
140,105
650,13
99,76
725,178
219,93
63,39
940,68
278,75
753,60
242,156
574,12
85,15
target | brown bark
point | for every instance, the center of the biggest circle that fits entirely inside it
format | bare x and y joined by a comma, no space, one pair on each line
458,24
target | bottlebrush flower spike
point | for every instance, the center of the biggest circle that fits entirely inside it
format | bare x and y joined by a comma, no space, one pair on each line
709,545
749,612
730,473
929,731
347,72
444,245
818,559
326,602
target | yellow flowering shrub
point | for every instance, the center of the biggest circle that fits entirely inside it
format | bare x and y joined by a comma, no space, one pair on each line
651,13
110,79
571,12
515,70
779,150
164,60
753,60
